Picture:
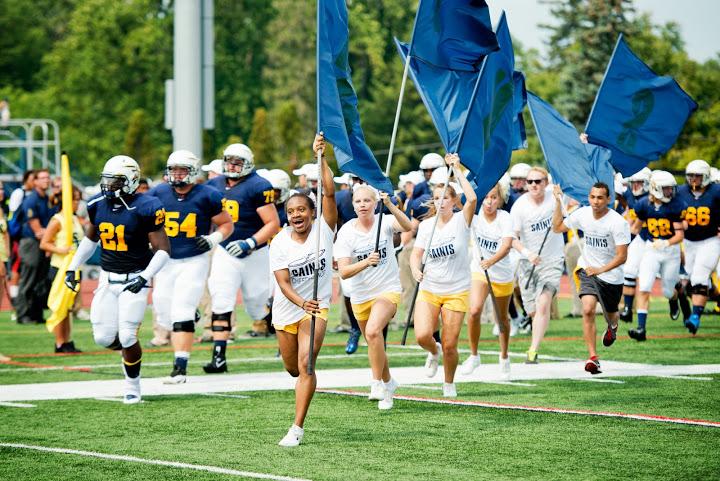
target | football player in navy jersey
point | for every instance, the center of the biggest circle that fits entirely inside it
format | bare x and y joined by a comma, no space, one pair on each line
125,225
702,244
190,212
638,183
659,221
241,262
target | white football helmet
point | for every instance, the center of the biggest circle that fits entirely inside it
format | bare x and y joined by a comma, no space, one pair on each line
641,176
699,167
659,180
438,177
715,175
280,180
519,171
183,159
120,176
619,184
238,152
431,161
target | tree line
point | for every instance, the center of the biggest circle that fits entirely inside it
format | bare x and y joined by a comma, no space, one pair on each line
98,67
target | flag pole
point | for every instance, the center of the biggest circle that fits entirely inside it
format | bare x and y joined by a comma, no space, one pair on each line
396,123
607,68
425,257
318,228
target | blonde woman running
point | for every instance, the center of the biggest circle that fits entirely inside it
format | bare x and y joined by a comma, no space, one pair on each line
493,235
292,259
374,279
445,283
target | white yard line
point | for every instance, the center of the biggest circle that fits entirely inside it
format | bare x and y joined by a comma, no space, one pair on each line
16,405
156,462
519,407
689,378
216,394
596,379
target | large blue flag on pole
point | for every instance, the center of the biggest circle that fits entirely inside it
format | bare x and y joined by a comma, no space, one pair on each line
453,34
637,113
473,112
574,166
337,112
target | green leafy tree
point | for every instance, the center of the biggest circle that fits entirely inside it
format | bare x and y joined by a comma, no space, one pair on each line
288,128
262,141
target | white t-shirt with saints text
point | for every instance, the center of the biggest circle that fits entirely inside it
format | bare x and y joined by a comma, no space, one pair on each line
489,236
448,264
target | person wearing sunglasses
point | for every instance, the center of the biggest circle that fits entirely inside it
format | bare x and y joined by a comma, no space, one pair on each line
542,259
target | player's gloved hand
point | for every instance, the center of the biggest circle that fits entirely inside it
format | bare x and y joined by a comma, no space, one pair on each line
206,243
241,248
72,279
135,285
660,243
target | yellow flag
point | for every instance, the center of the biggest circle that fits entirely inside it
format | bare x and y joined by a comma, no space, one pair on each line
61,299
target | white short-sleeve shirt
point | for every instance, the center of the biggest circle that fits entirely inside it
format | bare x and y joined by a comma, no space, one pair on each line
489,236
357,245
299,259
601,237
448,263
532,222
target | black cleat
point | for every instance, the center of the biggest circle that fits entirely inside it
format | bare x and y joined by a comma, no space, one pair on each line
626,315
609,336
674,309
637,334
67,347
216,366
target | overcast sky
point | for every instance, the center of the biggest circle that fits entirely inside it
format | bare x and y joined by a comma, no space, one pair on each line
698,20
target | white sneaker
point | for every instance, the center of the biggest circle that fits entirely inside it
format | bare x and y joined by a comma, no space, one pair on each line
513,330
293,437
175,379
132,391
432,362
470,364
505,368
387,401
377,390
496,330
449,389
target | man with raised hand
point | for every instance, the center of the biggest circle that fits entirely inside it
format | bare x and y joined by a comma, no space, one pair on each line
600,275
542,261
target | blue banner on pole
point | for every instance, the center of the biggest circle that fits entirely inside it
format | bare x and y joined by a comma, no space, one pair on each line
453,34
637,113
337,104
573,165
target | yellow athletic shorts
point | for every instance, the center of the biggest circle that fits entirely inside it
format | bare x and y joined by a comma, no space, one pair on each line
293,328
362,310
455,302
500,289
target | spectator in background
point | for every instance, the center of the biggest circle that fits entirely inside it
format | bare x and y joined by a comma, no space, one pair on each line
213,169
33,288
19,194
15,217
55,197
4,112
55,243
4,251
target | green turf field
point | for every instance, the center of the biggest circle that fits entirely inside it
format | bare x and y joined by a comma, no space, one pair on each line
348,438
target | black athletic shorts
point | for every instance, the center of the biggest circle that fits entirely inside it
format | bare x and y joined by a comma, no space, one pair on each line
609,294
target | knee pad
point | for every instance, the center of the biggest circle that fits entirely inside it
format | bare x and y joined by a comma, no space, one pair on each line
109,342
184,326
128,337
221,322
630,282
700,290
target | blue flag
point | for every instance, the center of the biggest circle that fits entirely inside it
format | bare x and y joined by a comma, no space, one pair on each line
453,34
473,112
519,140
574,166
637,113
337,112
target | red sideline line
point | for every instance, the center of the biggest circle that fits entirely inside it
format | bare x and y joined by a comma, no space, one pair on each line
519,407
45,366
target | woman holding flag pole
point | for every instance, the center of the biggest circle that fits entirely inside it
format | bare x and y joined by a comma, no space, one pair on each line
372,269
301,259
491,266
444,275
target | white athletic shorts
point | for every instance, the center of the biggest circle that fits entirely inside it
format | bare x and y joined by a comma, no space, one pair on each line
115,312
177,289
701,258
634,256
250,274
660,262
